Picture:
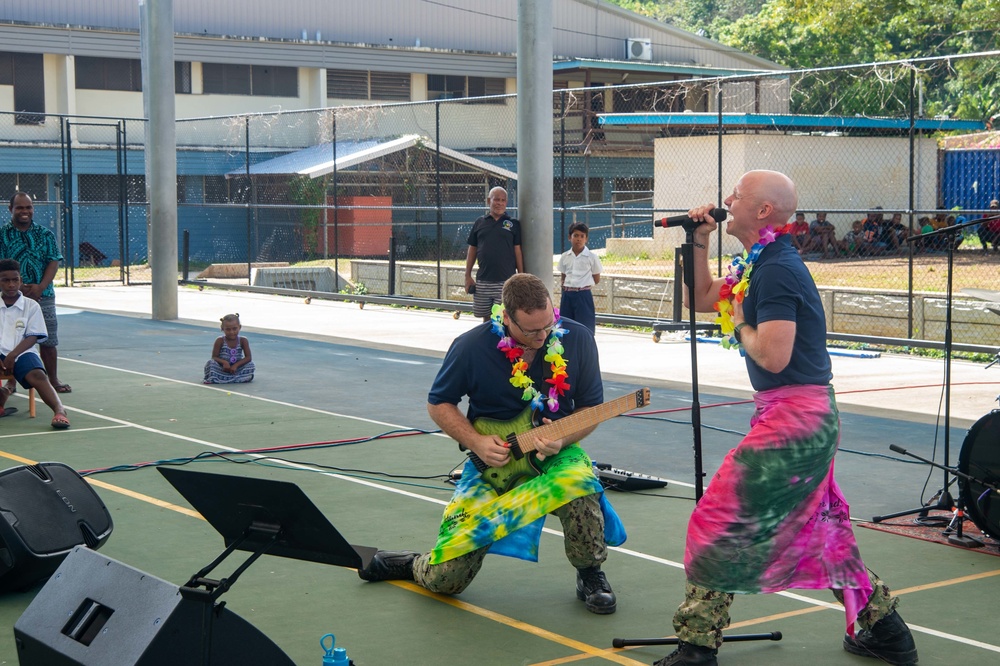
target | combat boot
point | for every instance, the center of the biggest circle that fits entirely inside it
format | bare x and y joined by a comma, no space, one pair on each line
389,565
593,589
889,639
687,654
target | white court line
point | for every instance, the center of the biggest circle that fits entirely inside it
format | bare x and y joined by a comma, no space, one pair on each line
378,486
54,431
223,388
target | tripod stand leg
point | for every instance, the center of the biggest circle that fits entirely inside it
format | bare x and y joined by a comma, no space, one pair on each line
734,638
942,501
899,514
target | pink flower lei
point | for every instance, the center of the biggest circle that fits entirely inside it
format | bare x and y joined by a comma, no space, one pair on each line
553,355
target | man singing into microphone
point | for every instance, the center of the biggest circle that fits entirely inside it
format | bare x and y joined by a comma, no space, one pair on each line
773,517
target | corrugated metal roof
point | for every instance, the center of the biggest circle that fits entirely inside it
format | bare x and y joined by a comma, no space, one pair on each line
580,64
580,28
104,43
318,160
782,121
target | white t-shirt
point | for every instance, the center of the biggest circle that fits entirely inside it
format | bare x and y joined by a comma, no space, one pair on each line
19,320
579,269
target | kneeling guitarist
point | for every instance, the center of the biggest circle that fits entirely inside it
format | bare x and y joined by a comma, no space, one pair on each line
523,368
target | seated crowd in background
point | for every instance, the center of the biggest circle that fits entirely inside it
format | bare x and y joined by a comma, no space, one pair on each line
884,237
876,236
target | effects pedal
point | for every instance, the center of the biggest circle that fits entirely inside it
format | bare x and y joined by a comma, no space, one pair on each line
613,478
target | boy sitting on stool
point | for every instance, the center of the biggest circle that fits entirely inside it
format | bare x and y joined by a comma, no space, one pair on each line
21,327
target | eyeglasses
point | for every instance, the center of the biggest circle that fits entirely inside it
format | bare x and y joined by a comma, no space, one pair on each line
534,332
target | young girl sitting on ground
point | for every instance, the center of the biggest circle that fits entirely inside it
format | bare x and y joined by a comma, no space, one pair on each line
231,362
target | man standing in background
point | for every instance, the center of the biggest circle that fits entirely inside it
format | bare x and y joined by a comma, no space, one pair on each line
495,241
35,248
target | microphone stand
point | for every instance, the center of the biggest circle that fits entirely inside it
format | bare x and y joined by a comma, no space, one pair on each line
958,539
944,502
687,259
692,326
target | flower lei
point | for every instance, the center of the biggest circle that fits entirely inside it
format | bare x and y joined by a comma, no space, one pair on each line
553,355
737,283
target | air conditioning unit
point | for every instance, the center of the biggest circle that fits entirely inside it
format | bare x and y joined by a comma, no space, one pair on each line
639,48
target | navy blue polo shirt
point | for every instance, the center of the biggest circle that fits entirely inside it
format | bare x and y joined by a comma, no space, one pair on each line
494,241
782,289
475,367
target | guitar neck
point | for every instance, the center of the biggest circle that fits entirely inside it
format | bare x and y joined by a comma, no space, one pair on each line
582,419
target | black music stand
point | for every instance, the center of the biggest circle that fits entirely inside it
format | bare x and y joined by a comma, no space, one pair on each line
260,516
687,258
945,502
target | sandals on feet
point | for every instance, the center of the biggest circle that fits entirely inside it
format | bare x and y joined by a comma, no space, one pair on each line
60,422
62,388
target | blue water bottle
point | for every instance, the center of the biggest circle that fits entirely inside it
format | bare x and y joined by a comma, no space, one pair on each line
333,656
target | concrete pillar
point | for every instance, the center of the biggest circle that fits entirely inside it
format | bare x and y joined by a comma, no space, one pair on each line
157,26
534,136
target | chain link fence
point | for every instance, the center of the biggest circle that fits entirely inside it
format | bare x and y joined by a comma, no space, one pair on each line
95,164
380,199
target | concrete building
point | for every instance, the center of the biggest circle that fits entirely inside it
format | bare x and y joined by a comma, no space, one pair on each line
71,106
240,56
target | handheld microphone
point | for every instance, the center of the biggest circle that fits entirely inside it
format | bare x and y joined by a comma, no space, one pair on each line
720,215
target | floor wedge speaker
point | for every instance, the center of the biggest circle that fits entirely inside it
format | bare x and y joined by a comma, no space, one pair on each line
96,611
47,509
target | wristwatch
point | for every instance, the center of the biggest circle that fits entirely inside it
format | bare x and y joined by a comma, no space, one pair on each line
736,331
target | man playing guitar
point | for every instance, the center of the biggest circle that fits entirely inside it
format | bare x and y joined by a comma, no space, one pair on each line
524,367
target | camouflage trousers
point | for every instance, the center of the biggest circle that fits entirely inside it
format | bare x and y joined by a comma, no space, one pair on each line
704,613
583,527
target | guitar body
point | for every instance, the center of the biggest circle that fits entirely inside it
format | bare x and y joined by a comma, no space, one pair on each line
519,468
523,464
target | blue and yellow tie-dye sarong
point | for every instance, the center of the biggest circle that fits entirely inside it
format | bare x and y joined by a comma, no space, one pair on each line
477,517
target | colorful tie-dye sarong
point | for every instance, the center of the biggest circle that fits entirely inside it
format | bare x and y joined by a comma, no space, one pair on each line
476,516
773,517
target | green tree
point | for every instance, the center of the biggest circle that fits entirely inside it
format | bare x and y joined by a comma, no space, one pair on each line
807,34
306,191
829,33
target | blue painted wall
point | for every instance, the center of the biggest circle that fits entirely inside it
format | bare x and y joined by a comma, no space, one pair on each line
220,233
970,178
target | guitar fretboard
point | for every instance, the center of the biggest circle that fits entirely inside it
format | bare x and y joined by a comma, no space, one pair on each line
582,419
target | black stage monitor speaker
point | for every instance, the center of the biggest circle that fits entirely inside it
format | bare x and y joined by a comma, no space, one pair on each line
96,611
48,509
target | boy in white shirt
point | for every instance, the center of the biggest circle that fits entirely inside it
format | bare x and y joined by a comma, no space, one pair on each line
580,270
21,327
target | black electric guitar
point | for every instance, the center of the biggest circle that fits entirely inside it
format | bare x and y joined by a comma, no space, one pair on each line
522,463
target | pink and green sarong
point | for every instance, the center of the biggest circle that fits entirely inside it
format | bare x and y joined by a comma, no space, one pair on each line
773,517
512,523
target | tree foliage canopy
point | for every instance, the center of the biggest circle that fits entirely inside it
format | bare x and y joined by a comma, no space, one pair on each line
804,34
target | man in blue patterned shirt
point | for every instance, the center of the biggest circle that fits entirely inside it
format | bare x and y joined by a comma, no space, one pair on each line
35,248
